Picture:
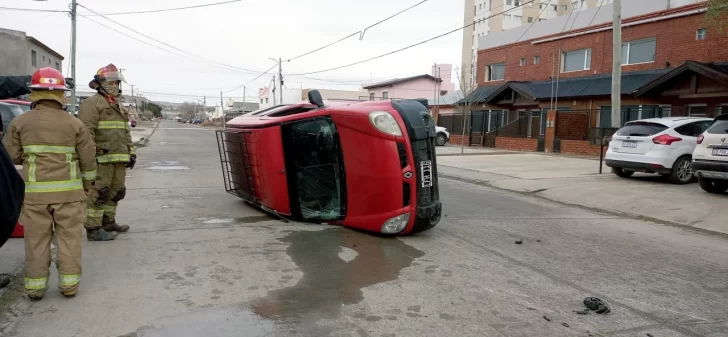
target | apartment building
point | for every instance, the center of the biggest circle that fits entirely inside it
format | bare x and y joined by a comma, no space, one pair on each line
491,16
22,54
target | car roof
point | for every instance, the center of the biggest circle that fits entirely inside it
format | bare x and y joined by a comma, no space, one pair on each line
672,121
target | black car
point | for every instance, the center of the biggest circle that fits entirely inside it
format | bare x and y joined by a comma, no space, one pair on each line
7,113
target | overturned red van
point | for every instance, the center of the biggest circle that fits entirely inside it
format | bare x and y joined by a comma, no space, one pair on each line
365,165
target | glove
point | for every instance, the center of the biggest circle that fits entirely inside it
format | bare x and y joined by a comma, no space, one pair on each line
100,151
132,162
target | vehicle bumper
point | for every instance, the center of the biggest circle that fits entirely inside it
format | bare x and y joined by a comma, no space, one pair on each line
711,169
421,132
651,162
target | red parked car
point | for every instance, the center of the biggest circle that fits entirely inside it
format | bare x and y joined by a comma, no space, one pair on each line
365,165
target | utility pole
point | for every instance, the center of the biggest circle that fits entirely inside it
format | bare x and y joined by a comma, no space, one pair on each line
73,56
274,90
617,65
280,77
136,108
222,110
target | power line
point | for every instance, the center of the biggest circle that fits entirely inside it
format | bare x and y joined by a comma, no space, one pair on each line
33,10
361,32
171,46
546,6
597,12
408,47
567,21
171,9
575,17
251,81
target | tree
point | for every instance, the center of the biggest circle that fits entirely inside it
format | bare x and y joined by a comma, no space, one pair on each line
187,111
155,109
467,101
717,14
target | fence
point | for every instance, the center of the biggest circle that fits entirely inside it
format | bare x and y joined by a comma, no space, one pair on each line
482,127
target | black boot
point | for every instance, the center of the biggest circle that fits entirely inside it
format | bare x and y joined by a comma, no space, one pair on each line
100,235
112,226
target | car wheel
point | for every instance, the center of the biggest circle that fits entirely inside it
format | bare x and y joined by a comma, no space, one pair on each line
622,172
714,186
440,140
682,171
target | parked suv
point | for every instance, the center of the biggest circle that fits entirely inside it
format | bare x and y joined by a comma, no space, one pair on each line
710,159
443,136
657,145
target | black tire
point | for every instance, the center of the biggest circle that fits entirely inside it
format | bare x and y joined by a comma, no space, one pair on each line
621,172
441,139
682,171
714,186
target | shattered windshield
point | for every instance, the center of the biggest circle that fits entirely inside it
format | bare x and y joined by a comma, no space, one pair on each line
315,170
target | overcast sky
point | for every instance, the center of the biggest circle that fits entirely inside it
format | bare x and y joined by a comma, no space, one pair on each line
245,34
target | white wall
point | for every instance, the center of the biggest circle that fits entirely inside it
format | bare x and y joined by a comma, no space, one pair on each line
290,96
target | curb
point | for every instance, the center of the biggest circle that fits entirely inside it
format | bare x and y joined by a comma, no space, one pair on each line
588,208
144,141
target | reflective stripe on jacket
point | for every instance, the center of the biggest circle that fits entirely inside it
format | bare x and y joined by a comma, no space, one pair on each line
56,151
108,124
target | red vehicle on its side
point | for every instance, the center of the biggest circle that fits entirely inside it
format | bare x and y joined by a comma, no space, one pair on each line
365,165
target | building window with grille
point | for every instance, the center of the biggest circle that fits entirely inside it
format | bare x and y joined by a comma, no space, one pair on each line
523,62
536,59
701,34
385,95
576,60
496,72
371,96
639,51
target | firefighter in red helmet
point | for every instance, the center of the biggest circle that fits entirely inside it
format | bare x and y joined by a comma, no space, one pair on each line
108,124
59,168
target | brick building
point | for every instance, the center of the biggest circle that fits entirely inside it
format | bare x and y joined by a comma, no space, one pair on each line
672,65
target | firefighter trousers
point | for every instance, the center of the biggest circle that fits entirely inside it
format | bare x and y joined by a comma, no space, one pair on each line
109,189
40,221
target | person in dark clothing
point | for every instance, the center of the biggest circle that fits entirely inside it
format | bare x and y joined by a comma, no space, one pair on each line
12,193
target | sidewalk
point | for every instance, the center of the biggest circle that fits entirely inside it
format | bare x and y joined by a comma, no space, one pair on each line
141,133
576,181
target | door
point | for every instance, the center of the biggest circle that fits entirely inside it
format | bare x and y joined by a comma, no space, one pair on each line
314,169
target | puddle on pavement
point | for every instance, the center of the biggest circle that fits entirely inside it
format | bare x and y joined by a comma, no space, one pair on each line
166,166
245,219
336,264
330,281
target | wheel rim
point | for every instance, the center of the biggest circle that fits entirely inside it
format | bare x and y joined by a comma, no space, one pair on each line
684,171
440,140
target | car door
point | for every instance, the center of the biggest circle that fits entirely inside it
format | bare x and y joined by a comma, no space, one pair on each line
690,132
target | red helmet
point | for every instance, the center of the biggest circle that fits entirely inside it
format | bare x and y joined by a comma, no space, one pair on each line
48,79
109,73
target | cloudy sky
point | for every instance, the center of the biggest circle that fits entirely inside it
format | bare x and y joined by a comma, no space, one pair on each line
244,35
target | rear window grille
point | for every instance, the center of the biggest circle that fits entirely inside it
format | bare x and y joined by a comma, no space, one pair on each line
402,155
406,194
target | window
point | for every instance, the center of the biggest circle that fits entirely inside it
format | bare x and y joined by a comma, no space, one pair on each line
517,3
536,59
315,169
719,127
506,17
33,58
530,19
693,129
518,18
58,66
565,7
385,95
509,2
266,100
556,7
261,101
523,62
496,72
480,6
541,6
576,60
574,5
698,110
371,96
641,129
701,34
43,58
539,20
639,51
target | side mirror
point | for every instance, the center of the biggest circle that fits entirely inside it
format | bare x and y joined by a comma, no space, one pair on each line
314,96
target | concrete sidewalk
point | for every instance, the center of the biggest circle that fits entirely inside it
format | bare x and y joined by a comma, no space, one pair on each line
141,133
576,181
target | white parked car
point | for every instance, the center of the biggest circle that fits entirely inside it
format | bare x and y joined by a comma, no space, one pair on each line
710,158
443,136
657,145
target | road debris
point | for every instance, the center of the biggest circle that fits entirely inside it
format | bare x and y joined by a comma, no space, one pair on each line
546,318
565,324
597,305
582,312
519,241
649,335
529,308
4,281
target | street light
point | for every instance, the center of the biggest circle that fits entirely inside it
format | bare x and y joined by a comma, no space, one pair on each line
280,76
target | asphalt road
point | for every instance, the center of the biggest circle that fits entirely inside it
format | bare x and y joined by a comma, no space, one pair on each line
198,262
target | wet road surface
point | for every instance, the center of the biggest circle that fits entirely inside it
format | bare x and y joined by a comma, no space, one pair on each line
199,262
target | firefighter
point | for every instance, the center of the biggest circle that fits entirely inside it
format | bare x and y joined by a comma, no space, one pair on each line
59,169
108,124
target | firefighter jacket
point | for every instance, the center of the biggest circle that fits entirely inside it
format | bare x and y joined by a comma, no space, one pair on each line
56,152
108,124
